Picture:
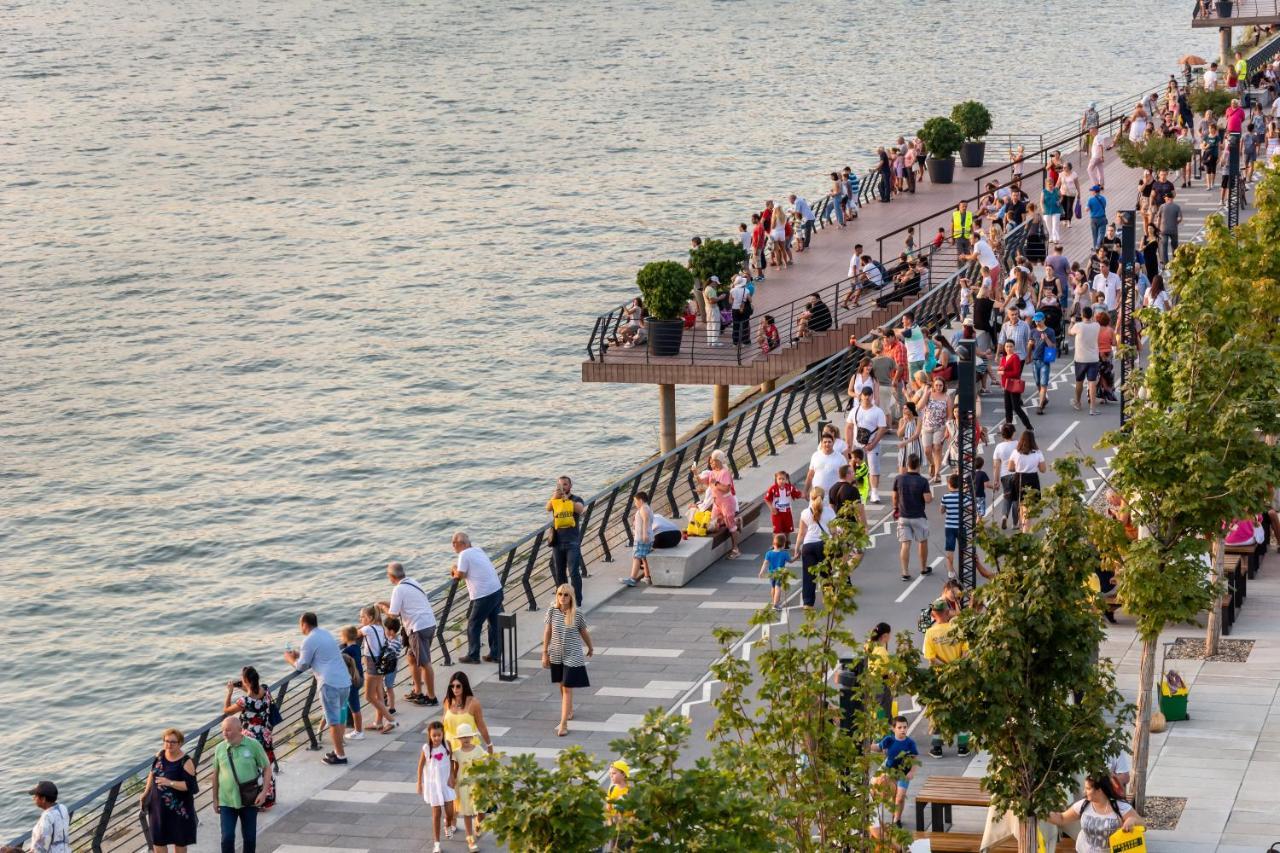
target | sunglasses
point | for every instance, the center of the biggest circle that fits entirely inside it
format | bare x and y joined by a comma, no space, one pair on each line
456,685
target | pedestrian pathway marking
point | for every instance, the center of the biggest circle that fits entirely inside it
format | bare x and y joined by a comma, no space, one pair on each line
353,796
303,848
730,605
640,653
616,724
748,579
535,751
746,556
1066,432
638,692
644,611
385,786
680,590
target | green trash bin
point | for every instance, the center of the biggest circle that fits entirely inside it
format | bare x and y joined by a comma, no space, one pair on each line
1173,705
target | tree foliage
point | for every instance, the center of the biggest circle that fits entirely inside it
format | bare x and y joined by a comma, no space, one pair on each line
786,729
533,810
720,258
1212,100
1032,643
1156,153
941,136
666,288
973,119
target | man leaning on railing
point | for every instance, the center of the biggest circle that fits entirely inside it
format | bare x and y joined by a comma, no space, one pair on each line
52,829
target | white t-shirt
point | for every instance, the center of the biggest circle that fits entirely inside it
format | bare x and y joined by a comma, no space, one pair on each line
871,419
855,264
1109,287
840,448
1160,302
411,603
737,294
1000,456
913,339
825,468
1096,829
1086,341
745,237
1120,764
1026,463
477,570
812,532
986,255
51,830
375,640
1211,79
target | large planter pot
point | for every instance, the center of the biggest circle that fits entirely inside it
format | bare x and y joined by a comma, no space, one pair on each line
941,171
664,336
1224,8
972,153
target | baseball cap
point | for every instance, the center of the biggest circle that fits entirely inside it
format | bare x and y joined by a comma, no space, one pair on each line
45,789
940,605
1038,316
622,767
1096,188
714,278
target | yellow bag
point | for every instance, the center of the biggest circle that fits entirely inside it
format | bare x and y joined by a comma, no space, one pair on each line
562,514
699,523
1129,840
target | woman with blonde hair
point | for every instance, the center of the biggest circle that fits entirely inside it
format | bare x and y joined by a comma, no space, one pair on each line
815,523
564,636
720,480
169,796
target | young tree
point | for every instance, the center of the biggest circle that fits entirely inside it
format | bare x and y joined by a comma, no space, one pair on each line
1192,457
779,718
1032,645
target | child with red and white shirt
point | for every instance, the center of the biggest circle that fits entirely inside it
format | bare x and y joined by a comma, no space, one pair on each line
778,498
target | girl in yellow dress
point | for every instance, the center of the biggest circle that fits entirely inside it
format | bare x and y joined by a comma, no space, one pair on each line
464,756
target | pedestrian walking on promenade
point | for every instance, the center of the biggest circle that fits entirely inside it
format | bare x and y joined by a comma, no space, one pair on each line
169,798
321,654
999,463
815,523
885,168
258,715
642,525
566,509
1085,334
1044,352
437,774
376,657
1097,157
1101,813
412,606
942,647
1051,204
911,493
1069,184
240,781
1097,214
50,832
461,709
564,639
1026,464
836,205
1012,383
484,589
1169,217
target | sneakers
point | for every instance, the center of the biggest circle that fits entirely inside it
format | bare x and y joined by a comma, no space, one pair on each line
628,581
492,659
416,698
435,848
935,751
430,701
962,751
334,758
906,578
354,736
468,659
471,844
873,498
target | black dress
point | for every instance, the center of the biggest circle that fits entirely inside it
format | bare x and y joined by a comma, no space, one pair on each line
172,814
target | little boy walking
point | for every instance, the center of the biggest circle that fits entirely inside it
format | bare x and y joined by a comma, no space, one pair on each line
899,764
774,561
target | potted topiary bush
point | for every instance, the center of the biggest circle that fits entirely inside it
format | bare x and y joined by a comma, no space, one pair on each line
942,138
666,288
720,258
974,121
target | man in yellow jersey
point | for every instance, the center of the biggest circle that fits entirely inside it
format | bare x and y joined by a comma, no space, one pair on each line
1242,71
941,648
962,228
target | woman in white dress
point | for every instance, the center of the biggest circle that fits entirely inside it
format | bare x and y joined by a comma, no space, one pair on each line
437,774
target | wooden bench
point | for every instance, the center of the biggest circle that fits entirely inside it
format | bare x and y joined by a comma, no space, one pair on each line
968,842
1251,553
941,793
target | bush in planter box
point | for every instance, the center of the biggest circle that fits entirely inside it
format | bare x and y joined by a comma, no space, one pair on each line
720,258
1155,154
942,137
666,287
973,119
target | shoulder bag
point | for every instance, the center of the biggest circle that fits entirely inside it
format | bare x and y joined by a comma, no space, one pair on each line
250,790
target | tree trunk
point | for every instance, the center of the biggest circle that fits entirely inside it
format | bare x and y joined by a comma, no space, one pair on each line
1027,835
1213,626
1142,725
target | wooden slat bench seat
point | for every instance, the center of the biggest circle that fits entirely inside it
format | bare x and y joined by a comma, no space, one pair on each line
968,842
940,793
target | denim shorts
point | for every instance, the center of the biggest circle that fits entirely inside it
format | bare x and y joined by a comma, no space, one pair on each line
950,534
1041,372
334,700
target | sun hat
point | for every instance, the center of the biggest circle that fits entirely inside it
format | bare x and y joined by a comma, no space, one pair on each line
465,730
622,767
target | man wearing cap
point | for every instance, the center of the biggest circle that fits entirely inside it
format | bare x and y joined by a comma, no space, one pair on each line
711,305
1089,125
50,832
1043,339
1097,214
940,649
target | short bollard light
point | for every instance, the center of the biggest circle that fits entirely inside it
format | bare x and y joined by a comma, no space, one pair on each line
509,663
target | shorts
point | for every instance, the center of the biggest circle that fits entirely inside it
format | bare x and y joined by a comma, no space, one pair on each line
904,783
932,437
913,530
370,666
1040,370
389,680
774,583
569,676
783,522
420,645
951,535
353,699
334,702
914,367
981,505
1087,370
873,460
643,549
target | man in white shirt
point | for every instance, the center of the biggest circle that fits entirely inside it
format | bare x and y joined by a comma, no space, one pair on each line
1108,284
985,256
741,322
485,591
801,206
412,606
50,832
855,261
865,425
1211,77
1085,331
824,466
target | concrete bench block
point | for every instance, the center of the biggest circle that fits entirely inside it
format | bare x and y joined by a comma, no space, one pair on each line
679,565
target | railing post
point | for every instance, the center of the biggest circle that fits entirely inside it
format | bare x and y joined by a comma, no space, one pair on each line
768,426
671,483
200,744
733,442
626,522
313,742
604,525
447,610
528,571
751,437
105,818
786,416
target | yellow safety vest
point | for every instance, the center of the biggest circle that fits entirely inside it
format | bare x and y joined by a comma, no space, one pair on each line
962,229
562,514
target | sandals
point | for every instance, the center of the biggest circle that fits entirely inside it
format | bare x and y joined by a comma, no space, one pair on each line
561,732
733,555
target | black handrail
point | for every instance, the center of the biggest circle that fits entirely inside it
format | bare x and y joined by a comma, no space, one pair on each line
1263,55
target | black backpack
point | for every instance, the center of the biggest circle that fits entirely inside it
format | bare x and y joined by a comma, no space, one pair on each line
384,660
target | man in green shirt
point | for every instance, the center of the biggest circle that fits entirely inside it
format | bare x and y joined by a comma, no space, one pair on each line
238,759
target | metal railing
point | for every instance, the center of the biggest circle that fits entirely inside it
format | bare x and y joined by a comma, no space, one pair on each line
109,818
1236,10
1263,56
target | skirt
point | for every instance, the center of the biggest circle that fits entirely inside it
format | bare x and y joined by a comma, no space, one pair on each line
569,676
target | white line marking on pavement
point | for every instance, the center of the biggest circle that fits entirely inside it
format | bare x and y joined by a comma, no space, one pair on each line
749,579
637,693
910,589
616,724
643,611
680,590
745,556
1066,432
303,848
730,605
666,685
535,751
911,728
383,786
640,653
351,796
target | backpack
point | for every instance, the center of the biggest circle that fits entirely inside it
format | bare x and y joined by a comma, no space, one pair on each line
384,660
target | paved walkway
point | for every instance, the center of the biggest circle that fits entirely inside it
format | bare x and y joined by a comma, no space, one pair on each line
654,648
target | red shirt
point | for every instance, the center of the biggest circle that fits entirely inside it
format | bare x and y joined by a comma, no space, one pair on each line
1010,368
758,235
1235,119
781,496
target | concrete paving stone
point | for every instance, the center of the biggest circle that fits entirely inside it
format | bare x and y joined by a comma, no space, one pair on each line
296,841
1203,820
339,830
1248,840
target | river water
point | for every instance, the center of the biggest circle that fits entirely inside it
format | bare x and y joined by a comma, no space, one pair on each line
291,289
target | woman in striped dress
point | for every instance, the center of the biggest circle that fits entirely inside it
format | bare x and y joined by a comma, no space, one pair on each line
563,639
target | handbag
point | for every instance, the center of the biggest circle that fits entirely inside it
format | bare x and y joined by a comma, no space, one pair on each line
250,790
1015,386
1078,210
1050,354
1129,840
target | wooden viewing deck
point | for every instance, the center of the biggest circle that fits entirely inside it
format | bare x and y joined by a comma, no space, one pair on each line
1240,13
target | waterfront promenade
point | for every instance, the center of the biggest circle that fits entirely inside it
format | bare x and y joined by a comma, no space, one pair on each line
654,646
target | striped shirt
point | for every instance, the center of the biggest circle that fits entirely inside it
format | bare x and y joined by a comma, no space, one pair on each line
566,642
951,510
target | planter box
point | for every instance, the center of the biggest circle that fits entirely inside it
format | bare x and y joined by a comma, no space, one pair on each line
972,154
941,171
665,336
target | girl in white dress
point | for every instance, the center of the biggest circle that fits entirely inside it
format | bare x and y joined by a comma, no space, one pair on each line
437,774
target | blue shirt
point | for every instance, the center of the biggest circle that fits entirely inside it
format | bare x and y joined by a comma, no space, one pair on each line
951,510
894,749
803,208
1098,206
853,184
353,651
1041,339
320,653
776,560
